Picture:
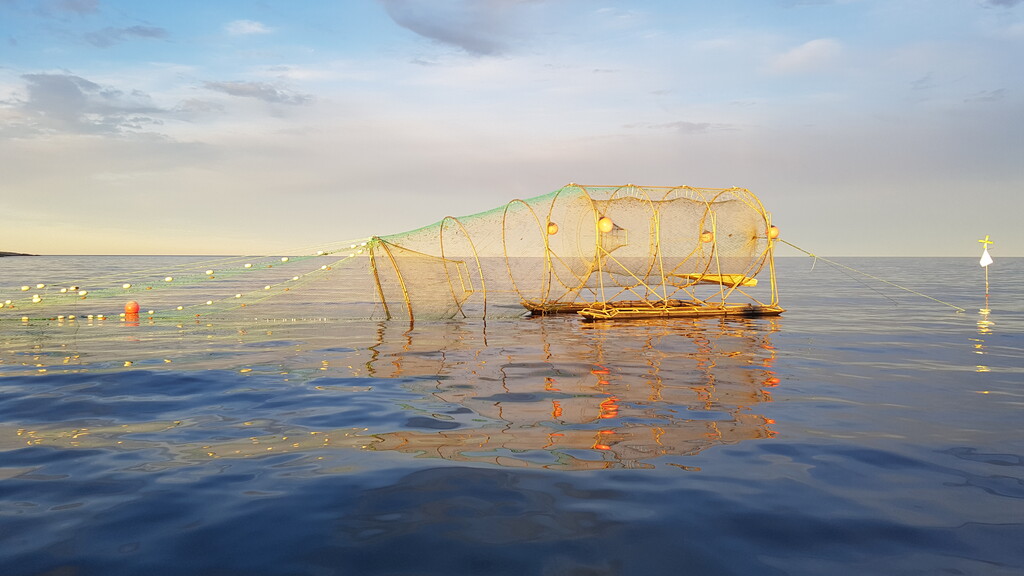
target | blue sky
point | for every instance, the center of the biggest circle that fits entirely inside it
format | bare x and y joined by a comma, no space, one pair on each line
867,127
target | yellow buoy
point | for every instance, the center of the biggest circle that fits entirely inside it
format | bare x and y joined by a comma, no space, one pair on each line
552,228
605,225
773,232
706,236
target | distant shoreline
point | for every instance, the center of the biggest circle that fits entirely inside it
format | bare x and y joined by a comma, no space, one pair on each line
2,254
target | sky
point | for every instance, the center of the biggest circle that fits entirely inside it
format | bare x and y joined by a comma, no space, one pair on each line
866,127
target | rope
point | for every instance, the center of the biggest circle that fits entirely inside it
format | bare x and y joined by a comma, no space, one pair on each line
834,263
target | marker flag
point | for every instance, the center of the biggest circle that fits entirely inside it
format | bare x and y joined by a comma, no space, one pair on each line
985,258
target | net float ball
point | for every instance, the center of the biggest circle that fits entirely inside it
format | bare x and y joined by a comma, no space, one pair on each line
131,307
552,228
773,232
605,224
706,236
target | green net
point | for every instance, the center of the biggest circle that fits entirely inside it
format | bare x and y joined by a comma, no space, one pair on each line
600,251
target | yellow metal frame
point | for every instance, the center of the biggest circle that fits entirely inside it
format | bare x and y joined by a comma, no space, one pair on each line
597,281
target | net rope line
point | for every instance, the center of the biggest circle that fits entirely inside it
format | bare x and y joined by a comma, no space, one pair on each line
861,281
239,300
267,291
156,271
91,282
873,277
39,307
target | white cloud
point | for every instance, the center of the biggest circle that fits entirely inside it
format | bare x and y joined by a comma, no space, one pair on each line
812,56
246,27
260,91
67,103
300,73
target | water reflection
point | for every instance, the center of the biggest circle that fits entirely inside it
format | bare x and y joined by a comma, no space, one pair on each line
609,396
984,329
550,393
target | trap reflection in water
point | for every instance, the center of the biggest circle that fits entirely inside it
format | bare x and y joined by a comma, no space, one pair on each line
611,397
551,393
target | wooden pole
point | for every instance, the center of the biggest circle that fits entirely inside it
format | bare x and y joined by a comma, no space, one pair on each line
984,264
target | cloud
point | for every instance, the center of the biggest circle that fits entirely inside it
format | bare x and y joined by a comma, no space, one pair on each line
245,28
260,91
476,26
78,6
110,36
808,57
987,96
1001,3
193,107
1016,30
684,127
925,82
800,3
69,103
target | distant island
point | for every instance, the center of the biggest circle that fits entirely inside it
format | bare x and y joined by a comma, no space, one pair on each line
2,254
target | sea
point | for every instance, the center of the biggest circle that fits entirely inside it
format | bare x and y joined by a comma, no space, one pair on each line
875,427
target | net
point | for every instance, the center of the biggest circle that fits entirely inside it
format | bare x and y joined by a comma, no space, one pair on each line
600,251
603,252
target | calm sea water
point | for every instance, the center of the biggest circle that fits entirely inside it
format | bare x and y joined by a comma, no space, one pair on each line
865,431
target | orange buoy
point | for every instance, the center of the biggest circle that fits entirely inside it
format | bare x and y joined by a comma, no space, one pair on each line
773,232
706,236
131,307
605,224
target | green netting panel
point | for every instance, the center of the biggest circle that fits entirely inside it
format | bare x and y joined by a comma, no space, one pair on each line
413,284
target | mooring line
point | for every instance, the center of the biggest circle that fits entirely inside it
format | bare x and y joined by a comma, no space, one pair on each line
834,263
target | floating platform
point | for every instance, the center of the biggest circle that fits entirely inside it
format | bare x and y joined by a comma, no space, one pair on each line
577,307
640,309
614,311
